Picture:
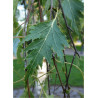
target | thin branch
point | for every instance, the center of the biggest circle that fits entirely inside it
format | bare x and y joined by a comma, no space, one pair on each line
65,68
74,66
70,69
46,73
29,10
77,68
69,74
40,11
18,36
19,80
55,82
17,73
24,45
40,85
28,88
51,9
58,75
19,25
68,28
48,68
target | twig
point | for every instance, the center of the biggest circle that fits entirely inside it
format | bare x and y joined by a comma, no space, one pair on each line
74,66
29,10
40,85
70,69
17,73
28,88
19,25
65,68
24,45
47,73
18,36
40,11
19,80
55,82
51,9
67,86
48,66
77,68
58,75
68,28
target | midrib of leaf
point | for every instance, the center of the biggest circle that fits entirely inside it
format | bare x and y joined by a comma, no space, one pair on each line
45,39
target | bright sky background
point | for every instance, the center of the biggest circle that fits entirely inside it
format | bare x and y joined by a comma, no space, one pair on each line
22,14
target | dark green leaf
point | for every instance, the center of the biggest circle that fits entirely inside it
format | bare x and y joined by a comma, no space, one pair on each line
47,38
51,38
48,3
73,10
15,46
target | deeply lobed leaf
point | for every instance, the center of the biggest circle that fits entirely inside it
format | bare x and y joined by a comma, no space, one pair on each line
47,38
50,39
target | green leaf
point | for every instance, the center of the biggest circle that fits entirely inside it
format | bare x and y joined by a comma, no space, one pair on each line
50,39
73,10
15,2
35,32
48,4
47,38
15,45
